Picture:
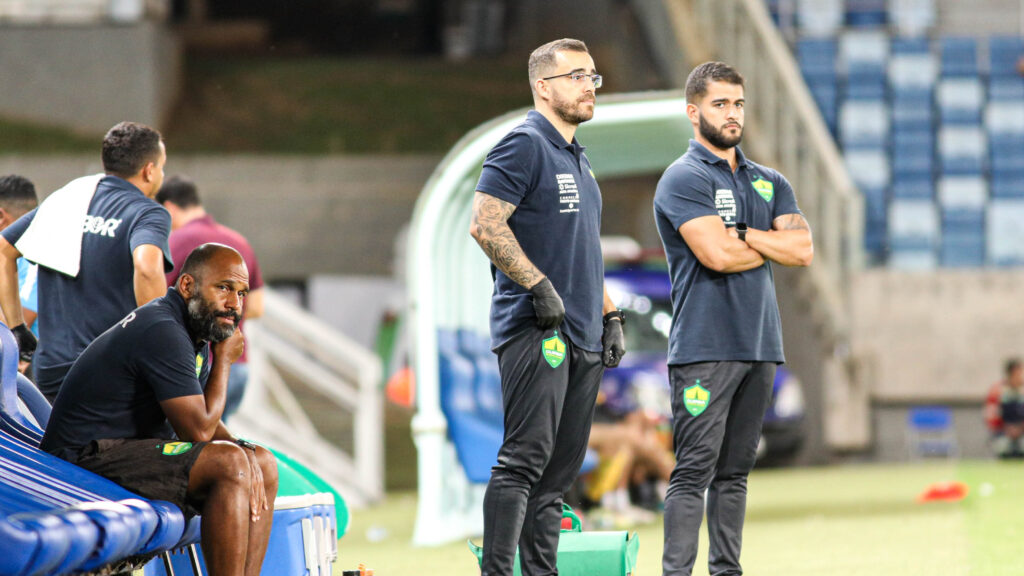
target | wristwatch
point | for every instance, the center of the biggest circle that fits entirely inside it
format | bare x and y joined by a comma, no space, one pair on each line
245,444
741,230
612,315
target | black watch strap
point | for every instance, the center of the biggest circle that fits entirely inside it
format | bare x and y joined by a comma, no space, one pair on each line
245,444
741,231
614,314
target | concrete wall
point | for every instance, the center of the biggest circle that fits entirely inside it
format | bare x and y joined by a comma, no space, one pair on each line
980,17
941,336
89,77
303,215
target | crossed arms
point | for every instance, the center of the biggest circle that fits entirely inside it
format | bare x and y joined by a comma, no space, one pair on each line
719,248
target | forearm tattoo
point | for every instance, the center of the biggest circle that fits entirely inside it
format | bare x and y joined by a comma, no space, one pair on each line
490,223
791,222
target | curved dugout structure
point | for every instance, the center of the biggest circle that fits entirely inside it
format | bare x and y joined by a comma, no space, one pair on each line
449,281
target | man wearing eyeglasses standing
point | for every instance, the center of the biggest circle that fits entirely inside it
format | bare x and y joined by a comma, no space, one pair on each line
537,216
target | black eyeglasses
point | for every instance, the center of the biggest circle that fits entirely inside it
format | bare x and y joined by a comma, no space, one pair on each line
578,77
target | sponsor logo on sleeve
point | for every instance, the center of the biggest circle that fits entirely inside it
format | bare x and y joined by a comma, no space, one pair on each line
725,203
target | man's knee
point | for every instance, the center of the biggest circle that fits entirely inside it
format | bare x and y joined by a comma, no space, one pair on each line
224,462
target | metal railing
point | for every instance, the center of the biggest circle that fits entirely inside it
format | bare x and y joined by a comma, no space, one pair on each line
289,346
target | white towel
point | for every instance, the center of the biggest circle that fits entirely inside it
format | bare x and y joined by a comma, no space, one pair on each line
54,238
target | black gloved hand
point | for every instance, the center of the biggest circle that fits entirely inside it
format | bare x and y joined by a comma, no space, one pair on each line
547,305
26,342
613,340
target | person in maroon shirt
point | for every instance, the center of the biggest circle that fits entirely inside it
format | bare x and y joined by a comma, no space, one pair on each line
191,227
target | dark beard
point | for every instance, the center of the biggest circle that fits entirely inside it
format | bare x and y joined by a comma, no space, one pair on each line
718,138
203,324
570,115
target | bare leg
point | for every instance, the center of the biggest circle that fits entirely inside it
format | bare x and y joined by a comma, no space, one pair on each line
259,531
220,477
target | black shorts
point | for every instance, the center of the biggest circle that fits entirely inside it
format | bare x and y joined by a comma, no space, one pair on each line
154,468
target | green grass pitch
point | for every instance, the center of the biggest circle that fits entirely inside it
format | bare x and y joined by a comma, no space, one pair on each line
845,520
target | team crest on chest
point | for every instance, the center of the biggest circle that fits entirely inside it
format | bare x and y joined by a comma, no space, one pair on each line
765,188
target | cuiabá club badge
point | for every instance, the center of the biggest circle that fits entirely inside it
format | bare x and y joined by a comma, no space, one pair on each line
554,350
696,399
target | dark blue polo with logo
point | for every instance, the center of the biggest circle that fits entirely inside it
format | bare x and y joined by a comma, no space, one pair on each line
115,387
720,317
557,222
75,310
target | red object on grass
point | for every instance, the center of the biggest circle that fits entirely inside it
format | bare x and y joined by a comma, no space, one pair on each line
566,523
944,492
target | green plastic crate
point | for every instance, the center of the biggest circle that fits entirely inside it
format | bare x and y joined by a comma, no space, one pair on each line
588,553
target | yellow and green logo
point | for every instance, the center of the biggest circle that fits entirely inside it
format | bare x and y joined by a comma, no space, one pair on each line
554,350
765,188
696,399
199,365
176,448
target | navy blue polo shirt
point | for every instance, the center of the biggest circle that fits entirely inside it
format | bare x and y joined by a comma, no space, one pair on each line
720,317
74,311
115,387
557,222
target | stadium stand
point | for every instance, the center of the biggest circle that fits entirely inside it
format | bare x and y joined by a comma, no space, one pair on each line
922,119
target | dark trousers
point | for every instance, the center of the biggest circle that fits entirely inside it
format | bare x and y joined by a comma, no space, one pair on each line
716,430
548,412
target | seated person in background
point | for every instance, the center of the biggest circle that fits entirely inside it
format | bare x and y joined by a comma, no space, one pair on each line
1004,412
633,454
142,406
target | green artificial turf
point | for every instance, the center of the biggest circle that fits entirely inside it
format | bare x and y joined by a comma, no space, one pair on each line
845,520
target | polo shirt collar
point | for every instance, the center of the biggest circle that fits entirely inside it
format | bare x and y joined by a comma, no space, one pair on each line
545,127
706,155
120,183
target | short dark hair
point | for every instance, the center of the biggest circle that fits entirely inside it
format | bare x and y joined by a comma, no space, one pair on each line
128,147
543,58
699,78
1011,365
180,191
197,260
17,194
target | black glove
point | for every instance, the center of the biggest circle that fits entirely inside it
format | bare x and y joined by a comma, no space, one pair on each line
613,340
26,342
547,305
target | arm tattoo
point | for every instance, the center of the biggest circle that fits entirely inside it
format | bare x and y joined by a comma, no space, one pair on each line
791,222
490,224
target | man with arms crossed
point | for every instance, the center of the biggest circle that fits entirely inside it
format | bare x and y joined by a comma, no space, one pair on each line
142,406
537,216
722,220
124,253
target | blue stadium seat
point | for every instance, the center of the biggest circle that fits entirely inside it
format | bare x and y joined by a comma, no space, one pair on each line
819,17
51,542
960,100
962,149
1006,153
913,153
869,167
863,51
962,192
1004,234
1008,184
912,71
913,234
913,225
1006,88
959,57
865,84
913,187
963,236
915,45
865,13
912,17
486,378
863,123
817,56
913,112
1005,117
1003,54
